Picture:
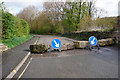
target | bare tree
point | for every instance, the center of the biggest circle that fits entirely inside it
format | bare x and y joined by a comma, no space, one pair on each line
29,13
55,13
54,10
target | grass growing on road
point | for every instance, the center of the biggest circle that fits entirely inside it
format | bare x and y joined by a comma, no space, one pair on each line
12,42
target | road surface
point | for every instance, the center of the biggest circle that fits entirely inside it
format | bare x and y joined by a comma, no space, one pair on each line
13,57
77,63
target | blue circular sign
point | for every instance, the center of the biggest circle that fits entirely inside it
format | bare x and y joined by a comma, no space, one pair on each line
93,40
56,44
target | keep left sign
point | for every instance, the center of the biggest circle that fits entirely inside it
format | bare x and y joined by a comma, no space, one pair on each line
56,43
93,40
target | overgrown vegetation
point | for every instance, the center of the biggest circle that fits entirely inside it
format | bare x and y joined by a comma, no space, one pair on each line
65,17
15,41
14,30
13,26
55,18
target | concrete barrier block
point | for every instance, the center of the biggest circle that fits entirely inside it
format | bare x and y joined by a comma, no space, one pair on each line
70,46
105,42
63,47
81,44
39,48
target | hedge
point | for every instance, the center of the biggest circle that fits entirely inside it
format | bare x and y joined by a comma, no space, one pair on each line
13,26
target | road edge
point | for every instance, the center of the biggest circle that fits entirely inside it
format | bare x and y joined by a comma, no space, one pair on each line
11,75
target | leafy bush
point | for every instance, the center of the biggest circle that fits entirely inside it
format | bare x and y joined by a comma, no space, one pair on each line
40,25
7,25
14,30
22,28
13,26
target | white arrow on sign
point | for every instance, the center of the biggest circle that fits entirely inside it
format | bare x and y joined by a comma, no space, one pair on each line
92,42
56,44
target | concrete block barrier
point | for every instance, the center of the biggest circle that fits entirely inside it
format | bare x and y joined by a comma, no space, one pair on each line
70,46
106,42
63,47
40,48
81,44
102,42
67,46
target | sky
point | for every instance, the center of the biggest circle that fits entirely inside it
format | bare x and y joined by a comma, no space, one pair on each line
15,6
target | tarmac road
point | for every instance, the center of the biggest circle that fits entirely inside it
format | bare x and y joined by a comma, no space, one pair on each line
13,57
47,39
77,63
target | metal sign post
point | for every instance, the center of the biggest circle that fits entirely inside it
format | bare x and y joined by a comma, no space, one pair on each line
56,44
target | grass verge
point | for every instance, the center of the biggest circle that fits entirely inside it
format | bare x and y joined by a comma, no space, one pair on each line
12,42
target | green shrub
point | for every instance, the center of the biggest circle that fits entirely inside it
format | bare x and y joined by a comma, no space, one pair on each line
21,27
44,29
26,29
13,26
7,25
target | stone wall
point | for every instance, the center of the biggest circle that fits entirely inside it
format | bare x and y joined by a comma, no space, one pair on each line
97,34
84,36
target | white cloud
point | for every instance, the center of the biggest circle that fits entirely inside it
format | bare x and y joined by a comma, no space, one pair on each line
15,7
111,6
